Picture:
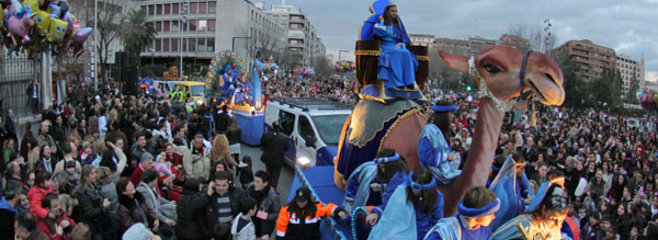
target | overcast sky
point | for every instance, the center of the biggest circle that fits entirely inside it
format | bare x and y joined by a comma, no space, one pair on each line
629,27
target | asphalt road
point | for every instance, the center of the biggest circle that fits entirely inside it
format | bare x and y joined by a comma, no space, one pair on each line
287,173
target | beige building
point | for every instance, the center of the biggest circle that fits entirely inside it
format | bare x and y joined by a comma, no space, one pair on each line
592,59
631,71
425,40
514,41
454,46
301,37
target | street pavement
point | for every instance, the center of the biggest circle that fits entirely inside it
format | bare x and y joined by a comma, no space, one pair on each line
287,173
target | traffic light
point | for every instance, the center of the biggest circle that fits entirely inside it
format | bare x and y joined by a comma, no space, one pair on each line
468,88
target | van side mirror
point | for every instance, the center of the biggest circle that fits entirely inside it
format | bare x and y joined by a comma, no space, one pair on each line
310,141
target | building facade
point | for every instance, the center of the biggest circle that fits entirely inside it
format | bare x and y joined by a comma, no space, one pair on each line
211,26
426,40
631,72
302,40
515,41
592,59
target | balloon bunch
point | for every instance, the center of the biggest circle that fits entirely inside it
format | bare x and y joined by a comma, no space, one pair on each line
270,66
305,72
41,25
345,66
648,99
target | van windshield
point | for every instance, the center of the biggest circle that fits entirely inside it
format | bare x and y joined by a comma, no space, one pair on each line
329,127
197,90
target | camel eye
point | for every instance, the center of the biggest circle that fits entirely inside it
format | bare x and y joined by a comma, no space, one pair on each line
490,68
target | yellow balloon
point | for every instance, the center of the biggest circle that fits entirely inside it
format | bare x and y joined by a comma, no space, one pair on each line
57,30
42,20
31,5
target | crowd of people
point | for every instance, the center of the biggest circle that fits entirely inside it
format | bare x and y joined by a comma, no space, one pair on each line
111,166
108,165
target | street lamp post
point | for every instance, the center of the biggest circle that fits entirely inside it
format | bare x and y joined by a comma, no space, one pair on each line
93,59
339,52
183,12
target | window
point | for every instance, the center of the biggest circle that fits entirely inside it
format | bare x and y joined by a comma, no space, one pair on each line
201,44
166,26
304,128
185,25
158,9
167,9
174,44
203,8
174,26
212,7
191,44
202,25
176,8
151,10
165,45
287,122
158,45
193,7
192,24
184,44
211,25
210,44
158,26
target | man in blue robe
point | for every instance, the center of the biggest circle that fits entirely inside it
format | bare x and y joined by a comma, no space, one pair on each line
512,188
434,151
476,212
544,219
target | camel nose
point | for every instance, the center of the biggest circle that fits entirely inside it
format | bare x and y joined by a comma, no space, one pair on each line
548,88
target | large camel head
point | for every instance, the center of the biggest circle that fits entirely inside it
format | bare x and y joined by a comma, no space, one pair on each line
500,66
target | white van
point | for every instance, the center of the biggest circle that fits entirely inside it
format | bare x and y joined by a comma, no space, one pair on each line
313,127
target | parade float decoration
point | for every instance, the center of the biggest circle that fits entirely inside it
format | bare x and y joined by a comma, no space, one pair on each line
243,97
378,122
35,26
345,66
171,73
648,99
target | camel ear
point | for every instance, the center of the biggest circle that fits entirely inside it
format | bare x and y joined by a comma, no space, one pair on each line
455,62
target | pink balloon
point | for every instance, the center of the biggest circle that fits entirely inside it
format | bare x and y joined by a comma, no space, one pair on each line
20,27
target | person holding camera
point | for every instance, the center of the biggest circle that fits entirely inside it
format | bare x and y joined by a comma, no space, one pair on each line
54,228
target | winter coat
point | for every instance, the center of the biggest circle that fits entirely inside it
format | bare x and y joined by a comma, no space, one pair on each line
191,216
36,195
134,210
90,210
153,200
248,232
268,202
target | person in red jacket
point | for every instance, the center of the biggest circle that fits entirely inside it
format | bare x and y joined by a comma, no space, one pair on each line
145,162
301,218
42,186
55,229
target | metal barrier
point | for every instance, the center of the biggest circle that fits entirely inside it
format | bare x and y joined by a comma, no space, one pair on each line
15,76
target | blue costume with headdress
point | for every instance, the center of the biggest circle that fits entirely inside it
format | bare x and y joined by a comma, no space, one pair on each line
357,190
433,150
397,65
456,228
511,229
405,220
510,189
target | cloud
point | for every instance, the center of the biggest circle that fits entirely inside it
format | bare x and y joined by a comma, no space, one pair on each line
627,26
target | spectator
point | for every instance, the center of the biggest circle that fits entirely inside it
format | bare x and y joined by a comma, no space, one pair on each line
81,232
197,162
164,210
242,228
45,161
70,151
233,134
42,186
54,228
132,208
274,145
108,188
9,207
224,205
220,151
114,159
93,207
26,227
222,120
246,173
191,211
146,162
32,93
44,138
268,205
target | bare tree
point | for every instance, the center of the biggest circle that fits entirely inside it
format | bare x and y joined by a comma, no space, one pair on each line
540,37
